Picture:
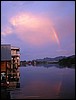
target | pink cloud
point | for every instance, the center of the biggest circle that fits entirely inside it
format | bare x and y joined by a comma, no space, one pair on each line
33,29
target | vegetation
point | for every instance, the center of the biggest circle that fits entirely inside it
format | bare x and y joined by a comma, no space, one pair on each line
64,61
67,61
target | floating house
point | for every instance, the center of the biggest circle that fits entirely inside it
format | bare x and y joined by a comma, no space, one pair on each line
15,57
10,61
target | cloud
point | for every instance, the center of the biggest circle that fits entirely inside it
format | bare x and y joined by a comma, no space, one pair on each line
7,31
65,52
62,52
32,29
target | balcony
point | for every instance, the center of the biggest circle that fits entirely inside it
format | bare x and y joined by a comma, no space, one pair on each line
15,55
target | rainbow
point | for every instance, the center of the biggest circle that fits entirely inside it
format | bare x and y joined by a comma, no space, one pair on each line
55,35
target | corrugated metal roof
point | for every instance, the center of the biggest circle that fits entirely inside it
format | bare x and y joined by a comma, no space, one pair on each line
5,52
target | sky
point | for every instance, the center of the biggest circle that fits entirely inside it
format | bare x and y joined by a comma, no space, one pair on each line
39,28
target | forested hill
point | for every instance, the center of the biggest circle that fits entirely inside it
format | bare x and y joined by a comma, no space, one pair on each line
68,60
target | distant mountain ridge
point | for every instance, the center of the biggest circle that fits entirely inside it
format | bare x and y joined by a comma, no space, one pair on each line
62,60
55,59
51,59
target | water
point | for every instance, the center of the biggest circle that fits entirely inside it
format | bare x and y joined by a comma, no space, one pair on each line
45,82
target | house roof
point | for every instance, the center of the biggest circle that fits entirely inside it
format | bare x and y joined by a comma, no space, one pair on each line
5,52
15,48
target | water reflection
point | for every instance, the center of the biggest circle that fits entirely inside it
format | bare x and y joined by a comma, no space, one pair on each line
49,65
45,82
55,65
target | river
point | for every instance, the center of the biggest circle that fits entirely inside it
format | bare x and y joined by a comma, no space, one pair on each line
45,82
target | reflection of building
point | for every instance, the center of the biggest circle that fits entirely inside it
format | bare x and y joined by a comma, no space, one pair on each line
10,61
